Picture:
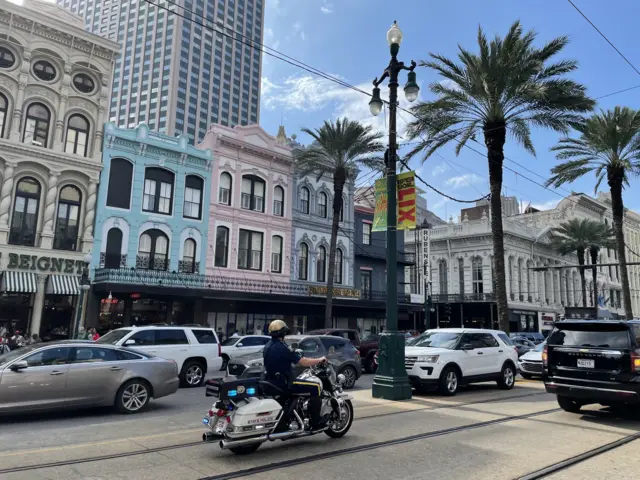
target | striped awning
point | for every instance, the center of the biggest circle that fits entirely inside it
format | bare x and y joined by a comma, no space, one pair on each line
63,285
19,282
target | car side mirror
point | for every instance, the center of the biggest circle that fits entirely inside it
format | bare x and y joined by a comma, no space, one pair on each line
239,345
299,352
467,346
129,342
21,365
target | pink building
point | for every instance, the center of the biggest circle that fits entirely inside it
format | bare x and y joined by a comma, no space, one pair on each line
250,221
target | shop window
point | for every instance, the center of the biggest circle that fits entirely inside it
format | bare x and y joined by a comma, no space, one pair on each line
304,200
153,250
365,283
36,125
250,250
188,263
276,253
114,248
222,247
322,204
120,178
4,108
321,265
443,277
339,267
224,193
193,197
158,191
67,221
278,201
303,262
478,284
252,197
77,135
25,213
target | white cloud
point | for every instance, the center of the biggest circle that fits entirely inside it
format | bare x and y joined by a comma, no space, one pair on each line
439,169
548,205
463,180
298,29
326,7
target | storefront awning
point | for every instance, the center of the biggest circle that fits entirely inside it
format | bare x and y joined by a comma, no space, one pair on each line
63,285
19,282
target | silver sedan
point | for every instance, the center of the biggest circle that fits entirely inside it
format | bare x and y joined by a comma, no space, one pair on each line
55,375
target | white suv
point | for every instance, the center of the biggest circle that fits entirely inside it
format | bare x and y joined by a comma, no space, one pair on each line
196,350
448,357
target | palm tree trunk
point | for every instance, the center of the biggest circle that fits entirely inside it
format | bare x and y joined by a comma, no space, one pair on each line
494,138
594,273
339,179
583,282
617,206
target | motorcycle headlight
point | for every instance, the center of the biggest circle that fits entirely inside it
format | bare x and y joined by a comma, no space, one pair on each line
429,358
258,362
341,379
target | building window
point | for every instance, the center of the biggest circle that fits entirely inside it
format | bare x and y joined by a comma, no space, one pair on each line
252,193
25,213
520,285
113,256
443,277
188,264
222,247
278,202
120,178
478,285
153,250
321,265
36,125
322,204
224,194
365,283
341,219
276,254
4,108
7,58
44,70
84,83
366,233
158,191
193,197
304,200
250,250
66,234
461,275
338,273
77,135
303,262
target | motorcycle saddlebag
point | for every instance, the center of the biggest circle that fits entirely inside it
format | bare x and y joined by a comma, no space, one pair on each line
232,390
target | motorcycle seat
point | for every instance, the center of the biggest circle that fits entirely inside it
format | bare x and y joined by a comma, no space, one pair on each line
270,389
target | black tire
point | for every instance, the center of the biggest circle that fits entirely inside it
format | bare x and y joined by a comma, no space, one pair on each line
246,449
449,381
526,375
342,431
225,362
133,396
350,375
569,404
370,364
507,377
192,374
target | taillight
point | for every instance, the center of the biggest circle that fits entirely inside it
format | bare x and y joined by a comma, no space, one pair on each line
635,361
221,413
545,356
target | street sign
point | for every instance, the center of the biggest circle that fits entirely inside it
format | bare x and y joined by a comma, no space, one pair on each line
426,253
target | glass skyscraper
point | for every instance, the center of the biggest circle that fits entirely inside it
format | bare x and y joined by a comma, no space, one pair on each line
174,74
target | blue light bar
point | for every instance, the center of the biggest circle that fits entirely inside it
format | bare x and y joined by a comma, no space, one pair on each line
232,393
251,391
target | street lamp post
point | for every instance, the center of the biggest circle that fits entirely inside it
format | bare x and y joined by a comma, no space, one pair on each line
391,381
85,284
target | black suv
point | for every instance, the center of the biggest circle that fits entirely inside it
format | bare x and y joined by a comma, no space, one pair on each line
593,361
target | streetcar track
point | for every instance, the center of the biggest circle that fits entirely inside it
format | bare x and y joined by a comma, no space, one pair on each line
145,451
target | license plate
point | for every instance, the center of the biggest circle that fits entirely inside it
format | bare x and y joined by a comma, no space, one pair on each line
205,421
584,363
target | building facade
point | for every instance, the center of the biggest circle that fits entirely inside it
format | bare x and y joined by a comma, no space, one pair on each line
54,87
174,74
151,228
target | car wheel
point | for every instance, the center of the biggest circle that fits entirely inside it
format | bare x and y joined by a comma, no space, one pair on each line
569,404
350,377
192,374
225,362
507,377
133,396
246,449
449,381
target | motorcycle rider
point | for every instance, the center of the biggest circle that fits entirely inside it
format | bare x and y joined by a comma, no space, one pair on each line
278,361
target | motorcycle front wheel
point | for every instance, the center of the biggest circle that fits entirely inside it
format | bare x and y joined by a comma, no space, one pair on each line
339,427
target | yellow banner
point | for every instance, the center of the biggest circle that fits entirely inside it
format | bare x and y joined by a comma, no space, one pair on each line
406,201
380,214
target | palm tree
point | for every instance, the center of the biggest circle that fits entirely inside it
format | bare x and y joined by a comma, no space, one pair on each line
580,236
338,149
608,146
508,87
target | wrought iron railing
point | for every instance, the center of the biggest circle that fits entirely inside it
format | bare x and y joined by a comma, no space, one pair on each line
188,266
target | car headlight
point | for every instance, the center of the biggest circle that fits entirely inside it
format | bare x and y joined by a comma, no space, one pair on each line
255,363
429,358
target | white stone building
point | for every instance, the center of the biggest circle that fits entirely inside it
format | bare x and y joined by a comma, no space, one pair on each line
54,87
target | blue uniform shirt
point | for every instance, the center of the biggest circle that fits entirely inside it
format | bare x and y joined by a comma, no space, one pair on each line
278,360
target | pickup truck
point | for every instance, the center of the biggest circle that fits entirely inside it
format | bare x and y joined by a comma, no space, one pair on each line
367,346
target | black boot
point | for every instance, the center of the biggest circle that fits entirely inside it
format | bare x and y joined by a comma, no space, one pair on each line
315,405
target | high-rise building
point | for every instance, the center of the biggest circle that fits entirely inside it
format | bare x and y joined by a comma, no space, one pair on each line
174,74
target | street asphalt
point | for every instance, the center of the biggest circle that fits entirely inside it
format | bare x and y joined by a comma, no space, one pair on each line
472,435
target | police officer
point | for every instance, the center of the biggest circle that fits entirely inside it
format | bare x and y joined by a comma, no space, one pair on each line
278,361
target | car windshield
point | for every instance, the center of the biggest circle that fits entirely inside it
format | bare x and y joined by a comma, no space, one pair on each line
113,336
437,339
539,348
230,341
13,354
411,341
590,336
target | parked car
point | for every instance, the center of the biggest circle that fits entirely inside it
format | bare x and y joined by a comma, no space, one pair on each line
522,345
63,374
234,346
593,361
530,363
196,350
339,351
367,346
446,358
534,337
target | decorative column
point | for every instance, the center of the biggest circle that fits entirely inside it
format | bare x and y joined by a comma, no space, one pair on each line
5,194
508,277
38,306
90,212
97,144
25,67
50,209
58,137
563,287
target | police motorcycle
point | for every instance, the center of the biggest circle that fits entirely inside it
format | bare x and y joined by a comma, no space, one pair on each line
249,412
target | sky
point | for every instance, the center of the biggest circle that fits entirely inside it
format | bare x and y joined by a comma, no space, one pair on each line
347,39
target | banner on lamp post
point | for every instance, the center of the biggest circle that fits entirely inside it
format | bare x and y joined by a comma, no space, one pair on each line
406,188
380,215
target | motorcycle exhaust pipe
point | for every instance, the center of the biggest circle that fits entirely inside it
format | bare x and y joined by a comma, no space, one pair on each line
208,437
226,444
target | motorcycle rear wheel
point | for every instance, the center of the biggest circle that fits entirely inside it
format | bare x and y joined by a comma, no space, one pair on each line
340,429
246,449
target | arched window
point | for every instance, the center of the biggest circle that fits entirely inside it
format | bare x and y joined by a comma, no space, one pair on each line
339,264
304,200
120,180
113,250
77,135
158,191
443,277
461,276
478,284
193,197
252,197
342,210
224,193
321,265
36,125
303,262
67,221
188,262
153,251
222,247
4,108
322,204
276,253
278,202
7,58
25,213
